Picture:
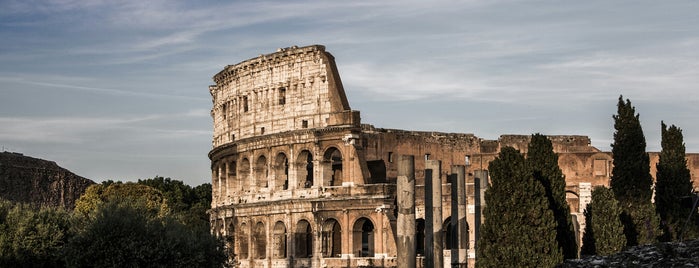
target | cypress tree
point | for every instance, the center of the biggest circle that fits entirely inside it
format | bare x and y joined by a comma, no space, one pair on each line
673,181
604,233
519,229
544,164
631,181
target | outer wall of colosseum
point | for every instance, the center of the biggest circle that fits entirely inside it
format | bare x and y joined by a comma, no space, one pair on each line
298,181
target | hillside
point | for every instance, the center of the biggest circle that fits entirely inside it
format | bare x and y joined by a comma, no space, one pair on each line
37,181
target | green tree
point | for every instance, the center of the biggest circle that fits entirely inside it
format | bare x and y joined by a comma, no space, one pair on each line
32,237
123,235
137,194
631,181
673,181
544,165
187,204
519,229
604,233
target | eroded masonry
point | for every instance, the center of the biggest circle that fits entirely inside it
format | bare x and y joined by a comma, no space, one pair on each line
298,181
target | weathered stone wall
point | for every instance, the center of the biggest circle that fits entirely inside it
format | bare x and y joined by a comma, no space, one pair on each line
294,88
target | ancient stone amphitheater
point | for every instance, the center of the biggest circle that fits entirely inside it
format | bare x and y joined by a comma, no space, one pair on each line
298,181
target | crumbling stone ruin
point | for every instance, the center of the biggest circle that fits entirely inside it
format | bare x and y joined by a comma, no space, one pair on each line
298,181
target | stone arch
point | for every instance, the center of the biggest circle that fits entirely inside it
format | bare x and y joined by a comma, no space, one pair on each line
573,200
363,233
331,237
261,172
304,239
332,167
232,175
420,237
243,238
279,240
244,171
259,241
281,172
304,169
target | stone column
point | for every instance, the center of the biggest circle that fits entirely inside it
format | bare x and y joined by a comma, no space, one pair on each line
480,184
458,217
406,212
434,258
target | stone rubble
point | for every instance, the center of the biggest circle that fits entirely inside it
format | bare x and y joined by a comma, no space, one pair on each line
669,254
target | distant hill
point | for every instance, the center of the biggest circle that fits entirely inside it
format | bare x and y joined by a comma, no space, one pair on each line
40,182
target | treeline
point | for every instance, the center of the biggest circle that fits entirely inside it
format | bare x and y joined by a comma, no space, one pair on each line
156,222
528,222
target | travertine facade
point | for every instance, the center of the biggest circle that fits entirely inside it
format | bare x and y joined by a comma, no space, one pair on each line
299,182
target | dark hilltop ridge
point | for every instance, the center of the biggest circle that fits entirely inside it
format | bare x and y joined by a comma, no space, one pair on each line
39,182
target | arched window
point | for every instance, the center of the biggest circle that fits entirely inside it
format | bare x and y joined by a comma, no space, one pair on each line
261,172
331,239
363,238
244,171
279,240
260,241
332,167
281,172
420,237
232,176
304,169
304,239
243,237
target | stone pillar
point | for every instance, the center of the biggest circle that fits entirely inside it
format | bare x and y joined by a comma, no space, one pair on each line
434,257
458,217
480,184
405,184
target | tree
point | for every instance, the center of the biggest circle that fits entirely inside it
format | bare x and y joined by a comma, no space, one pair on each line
519,229
544,165
137,194
187,204
604,233
123,235
631,181
32,237
673,182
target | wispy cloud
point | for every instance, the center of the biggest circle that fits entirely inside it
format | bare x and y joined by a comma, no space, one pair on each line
58,83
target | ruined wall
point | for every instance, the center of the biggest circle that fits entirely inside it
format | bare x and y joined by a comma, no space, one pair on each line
294,88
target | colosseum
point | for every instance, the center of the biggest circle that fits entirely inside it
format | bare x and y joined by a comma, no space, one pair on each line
299,181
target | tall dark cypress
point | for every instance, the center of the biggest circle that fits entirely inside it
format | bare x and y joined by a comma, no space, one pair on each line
604,233
544,166
673,181
519,228
631,181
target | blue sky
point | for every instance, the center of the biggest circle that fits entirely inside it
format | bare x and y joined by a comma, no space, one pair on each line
119,89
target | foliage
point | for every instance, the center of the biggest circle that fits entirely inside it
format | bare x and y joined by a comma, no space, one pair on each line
544,165
137,194
604,233
519,229
123,235
673,181
631,181
187,204
114,224
31,237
